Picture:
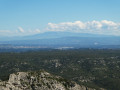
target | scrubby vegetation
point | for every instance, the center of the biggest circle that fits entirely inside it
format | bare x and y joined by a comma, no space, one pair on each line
90,67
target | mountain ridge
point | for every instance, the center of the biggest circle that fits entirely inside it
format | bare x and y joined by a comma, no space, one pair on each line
41,80
47,35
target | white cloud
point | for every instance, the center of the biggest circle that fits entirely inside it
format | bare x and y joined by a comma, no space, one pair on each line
37,31
4,32
20,32
21,29
99,27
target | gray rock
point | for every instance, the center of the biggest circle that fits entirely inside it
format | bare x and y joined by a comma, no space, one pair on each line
39,81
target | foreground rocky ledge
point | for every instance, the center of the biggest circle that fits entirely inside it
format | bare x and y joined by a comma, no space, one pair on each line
40,80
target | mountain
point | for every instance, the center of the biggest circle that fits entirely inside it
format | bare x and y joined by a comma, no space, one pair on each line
65,39
49,35
68,41
40,80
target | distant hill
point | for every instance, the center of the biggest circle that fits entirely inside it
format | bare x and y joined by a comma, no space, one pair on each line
64,39
48,35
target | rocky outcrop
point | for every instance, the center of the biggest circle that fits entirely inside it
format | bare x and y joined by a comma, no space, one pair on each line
41,80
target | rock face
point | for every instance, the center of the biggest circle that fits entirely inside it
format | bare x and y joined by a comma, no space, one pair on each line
39,81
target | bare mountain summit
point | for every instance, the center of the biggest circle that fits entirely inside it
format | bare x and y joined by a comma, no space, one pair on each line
41,80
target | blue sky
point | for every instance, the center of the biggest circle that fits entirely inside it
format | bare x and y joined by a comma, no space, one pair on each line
21,17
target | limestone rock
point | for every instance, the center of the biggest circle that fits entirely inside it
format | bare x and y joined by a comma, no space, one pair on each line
39,81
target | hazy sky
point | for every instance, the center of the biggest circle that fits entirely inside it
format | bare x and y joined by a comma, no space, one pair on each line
21,17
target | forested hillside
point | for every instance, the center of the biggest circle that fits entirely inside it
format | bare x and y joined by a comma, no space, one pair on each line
90,67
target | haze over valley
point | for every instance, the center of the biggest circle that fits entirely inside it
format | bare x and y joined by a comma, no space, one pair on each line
59,44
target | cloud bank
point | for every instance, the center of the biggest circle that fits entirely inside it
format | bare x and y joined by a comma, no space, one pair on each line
19,32
97,27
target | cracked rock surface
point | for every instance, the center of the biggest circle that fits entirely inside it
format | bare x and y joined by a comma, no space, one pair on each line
40,80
